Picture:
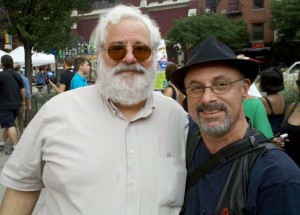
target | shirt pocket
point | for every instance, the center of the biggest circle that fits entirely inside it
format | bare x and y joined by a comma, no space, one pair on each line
171,178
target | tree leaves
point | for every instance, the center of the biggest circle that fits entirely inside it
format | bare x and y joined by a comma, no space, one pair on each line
285,21
190,31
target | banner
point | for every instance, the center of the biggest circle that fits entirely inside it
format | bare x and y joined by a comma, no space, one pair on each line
8,41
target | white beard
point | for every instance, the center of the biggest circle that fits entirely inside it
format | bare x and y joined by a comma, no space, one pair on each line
125,88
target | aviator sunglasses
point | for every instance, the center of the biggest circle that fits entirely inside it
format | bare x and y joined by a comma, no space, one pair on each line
117,52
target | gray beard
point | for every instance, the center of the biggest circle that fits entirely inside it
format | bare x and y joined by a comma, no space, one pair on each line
215,131
125,88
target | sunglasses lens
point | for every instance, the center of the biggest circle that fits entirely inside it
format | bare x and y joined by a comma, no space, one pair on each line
141,52
117,52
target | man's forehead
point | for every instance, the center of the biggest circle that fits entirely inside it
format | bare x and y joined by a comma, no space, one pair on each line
131,30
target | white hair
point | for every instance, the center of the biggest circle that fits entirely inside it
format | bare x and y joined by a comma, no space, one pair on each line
120,12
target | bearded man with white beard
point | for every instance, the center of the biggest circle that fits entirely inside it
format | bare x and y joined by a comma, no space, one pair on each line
116,147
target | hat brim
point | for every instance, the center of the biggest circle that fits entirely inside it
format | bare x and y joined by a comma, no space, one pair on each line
248,68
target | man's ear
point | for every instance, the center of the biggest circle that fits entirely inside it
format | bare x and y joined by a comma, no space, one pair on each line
246,86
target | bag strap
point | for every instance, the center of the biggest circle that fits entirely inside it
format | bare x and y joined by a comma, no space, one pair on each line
226,155
235,191
192,142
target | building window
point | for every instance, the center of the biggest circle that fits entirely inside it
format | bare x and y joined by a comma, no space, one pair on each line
258,4
233,5
258,31
211,4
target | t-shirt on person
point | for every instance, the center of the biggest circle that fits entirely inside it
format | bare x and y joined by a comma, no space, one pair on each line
78,81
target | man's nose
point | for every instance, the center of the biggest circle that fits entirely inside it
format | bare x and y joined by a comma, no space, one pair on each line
208,95
129,57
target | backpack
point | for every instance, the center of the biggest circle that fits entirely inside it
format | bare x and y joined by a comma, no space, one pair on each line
243,153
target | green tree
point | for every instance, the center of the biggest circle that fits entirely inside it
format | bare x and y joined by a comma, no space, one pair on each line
190,31
285,21
42,24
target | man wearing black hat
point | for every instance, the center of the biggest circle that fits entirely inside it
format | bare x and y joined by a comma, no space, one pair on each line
233,169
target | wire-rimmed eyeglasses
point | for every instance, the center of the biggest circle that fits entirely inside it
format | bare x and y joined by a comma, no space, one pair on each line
218,87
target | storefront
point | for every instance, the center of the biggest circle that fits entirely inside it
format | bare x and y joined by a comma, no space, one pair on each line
260,51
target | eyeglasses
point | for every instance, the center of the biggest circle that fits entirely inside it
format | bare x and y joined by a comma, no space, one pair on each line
117,52
217,88
298,83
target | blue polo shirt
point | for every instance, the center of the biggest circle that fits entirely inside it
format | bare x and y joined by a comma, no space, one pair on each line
78,81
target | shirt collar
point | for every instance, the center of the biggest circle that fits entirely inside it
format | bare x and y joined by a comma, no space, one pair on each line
143,113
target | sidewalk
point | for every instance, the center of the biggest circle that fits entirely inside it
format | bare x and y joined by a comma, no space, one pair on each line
3,159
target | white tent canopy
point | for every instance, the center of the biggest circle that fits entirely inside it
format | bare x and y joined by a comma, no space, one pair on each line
2,53
38,59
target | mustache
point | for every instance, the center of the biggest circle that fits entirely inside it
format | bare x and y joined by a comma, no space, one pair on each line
118,69
211,107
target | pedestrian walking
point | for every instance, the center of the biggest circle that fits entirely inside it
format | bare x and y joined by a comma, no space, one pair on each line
12,98
28,106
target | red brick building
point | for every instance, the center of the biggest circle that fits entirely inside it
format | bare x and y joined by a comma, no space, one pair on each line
256,13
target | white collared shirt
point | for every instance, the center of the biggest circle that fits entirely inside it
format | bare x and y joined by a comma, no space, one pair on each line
92,161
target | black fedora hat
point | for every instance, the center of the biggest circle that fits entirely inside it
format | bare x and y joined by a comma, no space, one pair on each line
212,50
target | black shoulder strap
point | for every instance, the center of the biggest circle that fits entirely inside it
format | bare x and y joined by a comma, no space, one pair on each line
174,93
269,103
235,191
225,155
192,141
292,110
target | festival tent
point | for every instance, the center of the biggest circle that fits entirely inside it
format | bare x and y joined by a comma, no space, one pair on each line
38,59
2,53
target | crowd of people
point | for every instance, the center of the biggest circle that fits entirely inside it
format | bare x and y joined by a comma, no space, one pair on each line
77,69
119,147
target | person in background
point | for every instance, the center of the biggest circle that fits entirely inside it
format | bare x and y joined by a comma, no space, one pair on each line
82,68
271,82
108,150
21,112
49,77
291,126
35,69
256,112
171,90
262,180
254,108
40,79
66,76
12,98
